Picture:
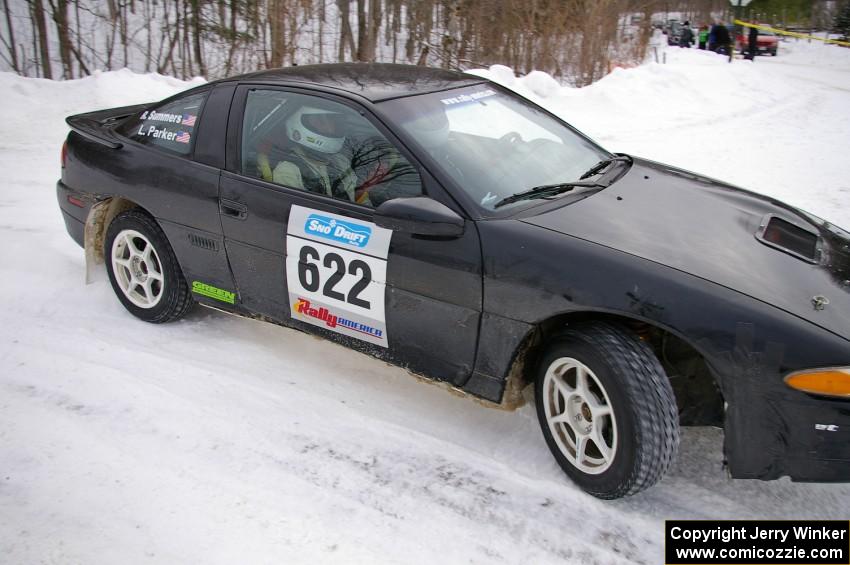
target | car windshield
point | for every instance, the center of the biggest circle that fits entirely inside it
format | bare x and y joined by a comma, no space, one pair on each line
492,144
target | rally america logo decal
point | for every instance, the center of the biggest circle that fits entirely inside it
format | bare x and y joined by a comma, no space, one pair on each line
331,320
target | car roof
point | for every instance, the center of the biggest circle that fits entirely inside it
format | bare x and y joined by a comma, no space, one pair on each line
373,81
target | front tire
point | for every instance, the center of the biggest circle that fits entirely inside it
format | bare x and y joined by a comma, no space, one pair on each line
143,269
607,410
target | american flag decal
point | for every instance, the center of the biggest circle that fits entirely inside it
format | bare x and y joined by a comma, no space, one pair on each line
189,120
182,137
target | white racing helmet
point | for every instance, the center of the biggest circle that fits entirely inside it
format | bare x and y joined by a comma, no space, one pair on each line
316,129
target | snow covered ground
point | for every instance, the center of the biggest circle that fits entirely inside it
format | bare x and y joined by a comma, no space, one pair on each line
223,440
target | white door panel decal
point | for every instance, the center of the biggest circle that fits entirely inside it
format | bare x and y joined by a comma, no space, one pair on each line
336,273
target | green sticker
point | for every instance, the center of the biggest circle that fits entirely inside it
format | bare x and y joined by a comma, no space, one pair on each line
215,293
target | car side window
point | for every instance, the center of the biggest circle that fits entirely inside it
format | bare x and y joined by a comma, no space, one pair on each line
321,146
170,127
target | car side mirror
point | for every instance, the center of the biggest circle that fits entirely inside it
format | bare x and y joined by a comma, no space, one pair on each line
419,216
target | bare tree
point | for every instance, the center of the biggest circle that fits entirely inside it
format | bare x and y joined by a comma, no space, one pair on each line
59,11
374,26
166,57
197,28
37,15
346,38
362,32
10,44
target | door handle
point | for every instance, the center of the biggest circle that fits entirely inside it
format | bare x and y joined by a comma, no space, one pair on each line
233,209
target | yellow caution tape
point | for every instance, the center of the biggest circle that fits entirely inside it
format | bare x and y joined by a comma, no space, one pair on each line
792,33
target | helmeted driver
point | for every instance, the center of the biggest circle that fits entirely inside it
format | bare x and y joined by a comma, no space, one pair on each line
313,159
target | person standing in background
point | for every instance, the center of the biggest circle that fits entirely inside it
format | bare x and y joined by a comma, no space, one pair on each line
722,39
703,36
752,44
687,37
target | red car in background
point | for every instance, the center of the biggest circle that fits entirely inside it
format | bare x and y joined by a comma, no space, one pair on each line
768,42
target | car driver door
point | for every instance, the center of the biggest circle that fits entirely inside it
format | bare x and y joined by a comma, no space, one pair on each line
297,209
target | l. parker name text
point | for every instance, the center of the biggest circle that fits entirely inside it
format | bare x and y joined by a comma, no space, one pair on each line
159,133
726,535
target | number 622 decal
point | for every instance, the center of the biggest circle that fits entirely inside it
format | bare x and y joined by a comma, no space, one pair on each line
310,277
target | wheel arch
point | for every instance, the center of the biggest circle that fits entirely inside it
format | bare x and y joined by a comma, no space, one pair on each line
99,217
696,386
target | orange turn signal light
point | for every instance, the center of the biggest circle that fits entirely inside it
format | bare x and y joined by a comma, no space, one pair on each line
827,382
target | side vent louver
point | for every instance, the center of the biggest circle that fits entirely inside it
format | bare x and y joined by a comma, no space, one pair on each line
203,242
795,240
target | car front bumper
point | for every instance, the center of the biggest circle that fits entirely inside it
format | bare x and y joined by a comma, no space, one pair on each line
793,434
818,440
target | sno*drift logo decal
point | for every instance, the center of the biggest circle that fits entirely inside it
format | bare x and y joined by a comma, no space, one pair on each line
339,231
305,308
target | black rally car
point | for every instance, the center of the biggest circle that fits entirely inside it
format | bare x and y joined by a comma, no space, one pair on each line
445,224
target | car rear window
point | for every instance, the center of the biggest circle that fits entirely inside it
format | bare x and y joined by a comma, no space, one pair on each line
171,126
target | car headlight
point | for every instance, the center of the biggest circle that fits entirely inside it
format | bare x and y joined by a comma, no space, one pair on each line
833,382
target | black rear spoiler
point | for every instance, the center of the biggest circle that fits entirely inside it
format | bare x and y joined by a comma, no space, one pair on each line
96,126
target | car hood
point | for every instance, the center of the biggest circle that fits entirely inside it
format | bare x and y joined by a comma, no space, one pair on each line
708,229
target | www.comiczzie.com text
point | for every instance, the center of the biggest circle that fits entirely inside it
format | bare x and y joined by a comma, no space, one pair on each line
694,542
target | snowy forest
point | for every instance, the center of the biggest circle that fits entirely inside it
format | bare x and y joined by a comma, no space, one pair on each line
577,41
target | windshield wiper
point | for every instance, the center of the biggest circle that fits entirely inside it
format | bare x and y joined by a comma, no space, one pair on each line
598,167
546,190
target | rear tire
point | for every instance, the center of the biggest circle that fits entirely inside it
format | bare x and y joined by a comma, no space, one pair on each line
143,269
607,410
